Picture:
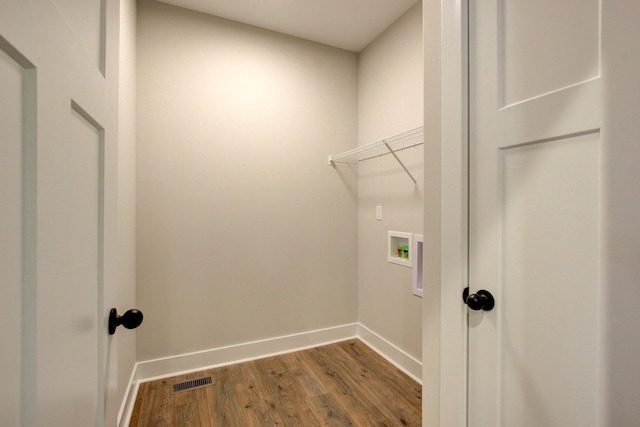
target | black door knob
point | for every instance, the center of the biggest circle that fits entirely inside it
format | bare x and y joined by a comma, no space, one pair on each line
131,319
481,300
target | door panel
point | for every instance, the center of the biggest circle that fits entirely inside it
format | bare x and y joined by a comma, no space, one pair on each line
546,45
535,212
87,20
75,273
57,218
550,282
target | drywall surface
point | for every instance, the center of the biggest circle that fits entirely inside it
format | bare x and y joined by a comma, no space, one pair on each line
390,101
243,230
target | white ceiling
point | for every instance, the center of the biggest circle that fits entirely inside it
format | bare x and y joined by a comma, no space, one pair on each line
347,24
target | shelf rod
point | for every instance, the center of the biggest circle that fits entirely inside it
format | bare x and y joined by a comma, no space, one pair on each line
400,161
416,133
375,156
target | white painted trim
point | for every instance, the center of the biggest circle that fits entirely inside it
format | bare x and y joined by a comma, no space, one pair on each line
165,367
453,232
192,362
396,356
417,250
128,402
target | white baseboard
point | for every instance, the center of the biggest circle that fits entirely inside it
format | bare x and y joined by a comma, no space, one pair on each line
399,358
165,367
126,409
192,362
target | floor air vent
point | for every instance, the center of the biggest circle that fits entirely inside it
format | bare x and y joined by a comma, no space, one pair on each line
191,384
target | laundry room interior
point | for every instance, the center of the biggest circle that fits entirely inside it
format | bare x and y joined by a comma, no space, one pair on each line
250,238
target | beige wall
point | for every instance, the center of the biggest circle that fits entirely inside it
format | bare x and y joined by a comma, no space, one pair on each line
244,232
390,101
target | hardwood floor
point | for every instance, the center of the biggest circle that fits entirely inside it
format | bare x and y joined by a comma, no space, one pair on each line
342,384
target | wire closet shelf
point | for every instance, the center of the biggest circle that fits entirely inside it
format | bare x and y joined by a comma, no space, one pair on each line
384,147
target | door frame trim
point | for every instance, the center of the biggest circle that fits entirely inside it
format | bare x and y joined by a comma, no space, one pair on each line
454,212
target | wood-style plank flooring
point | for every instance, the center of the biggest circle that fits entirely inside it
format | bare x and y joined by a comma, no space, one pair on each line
342,384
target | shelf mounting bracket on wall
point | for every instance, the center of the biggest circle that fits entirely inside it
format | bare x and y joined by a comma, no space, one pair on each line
384,147
400,161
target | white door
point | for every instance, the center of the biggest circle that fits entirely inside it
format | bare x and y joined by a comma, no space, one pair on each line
536,212
58,118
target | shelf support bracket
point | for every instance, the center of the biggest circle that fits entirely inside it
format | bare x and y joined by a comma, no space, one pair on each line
401,164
